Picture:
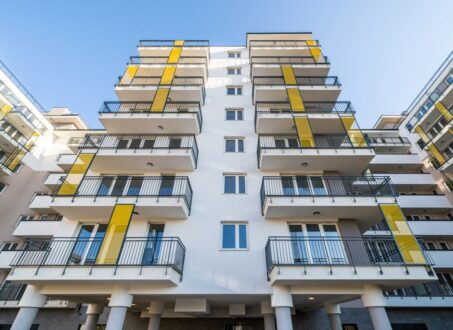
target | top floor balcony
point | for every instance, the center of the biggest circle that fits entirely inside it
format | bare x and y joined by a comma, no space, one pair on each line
301,65
164,47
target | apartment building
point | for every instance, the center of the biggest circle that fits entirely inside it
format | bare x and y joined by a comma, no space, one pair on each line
231,188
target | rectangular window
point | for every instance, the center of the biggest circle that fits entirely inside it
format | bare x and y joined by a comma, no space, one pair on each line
234,236
234,144
234,54
234,71
234,114
234,90
234,184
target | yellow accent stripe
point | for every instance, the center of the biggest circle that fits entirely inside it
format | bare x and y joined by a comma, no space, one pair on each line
130,73
5,110
315,51
178,43
75,175
405,240
15,157
115,234
160,99
168,75
295,99
355,135
304,132
288,75
444,111
175,53
436,154
422,134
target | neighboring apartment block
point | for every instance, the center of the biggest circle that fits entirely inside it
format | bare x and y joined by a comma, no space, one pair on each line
231,188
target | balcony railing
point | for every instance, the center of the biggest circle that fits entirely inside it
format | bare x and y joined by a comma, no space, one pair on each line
132,186
432,289
142,142
145,108
195,60
335,251
12,292
394,141
310,107
288,60
79,252
169,43
283,43
47,217
300,81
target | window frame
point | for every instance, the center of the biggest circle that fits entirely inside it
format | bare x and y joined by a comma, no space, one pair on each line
236,88
236,140
237,240
236,183
236,71
234,53
236,114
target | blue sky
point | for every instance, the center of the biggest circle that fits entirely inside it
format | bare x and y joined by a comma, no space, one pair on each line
70,53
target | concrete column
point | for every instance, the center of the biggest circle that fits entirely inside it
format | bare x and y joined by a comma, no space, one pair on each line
29,305
268,315
155,310
93,312
374,301
333,311
282,301
120,301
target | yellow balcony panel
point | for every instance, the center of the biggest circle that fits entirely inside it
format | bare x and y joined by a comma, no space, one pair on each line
138,118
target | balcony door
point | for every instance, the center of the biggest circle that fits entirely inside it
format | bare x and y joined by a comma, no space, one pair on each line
303,186
166,185
286,143
87,245
153,244
316,244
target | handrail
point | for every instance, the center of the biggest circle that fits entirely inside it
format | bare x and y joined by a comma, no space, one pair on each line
169,43
432,289
195,60
374,141
12,292
300,81
156,81
283,43
287,60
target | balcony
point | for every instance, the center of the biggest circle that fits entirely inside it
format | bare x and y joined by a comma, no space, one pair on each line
143,88
427,295
11,292
76,260
278,117
411,181
11,139
302,65
357,260
424,203
37,226
162,48
137,118
434,227
283,47
330,153
65,161
382,145
139,153
163,197
273,89
442,259
395,163
186,66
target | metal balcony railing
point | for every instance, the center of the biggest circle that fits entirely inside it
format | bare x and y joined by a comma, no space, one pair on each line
145,108
132,186
283,60
325,186
12,292
141,142
335,251
310,107
79,252
394,141
47,217
189,60
169,43
300,81
432,289
282,43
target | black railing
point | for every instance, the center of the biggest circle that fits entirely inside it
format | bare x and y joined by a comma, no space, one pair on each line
283,43
170,108
196,60
12,292
47,217
380,226
134,251
288,60
376,141
335,251
131,186
432,289
169,43
142,142
325,186
300,81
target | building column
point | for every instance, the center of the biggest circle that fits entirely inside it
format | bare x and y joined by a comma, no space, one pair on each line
156,309
29,305
374,301
93,312
268,315
333,312
120,301
282,302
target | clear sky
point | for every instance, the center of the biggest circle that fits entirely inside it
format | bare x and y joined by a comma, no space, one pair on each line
70,53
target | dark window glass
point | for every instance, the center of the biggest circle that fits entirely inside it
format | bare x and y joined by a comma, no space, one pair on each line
230,145
243,236
228,236
230,184
242,184
240,145
230,115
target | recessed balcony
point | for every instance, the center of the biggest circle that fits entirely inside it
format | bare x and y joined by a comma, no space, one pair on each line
301,65
165,197
10,139
352,197
141,153
329,153
278,117
352,260
273,89
283,47
79,260
162,48
138,118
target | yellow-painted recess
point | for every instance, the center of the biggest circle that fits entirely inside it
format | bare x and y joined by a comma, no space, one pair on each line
405,240
160,99
288,75
130,73
168,75
315,51
304,132
5,110
295,99
420,131
444,111
75,175
436,154
115,234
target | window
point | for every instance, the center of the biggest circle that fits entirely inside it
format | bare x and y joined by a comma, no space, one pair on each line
234,144
234,184
234,236
234,114
2,187
234,71
350,327
234,54
234,90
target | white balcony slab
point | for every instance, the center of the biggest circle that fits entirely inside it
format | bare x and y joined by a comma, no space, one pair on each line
420,204
431,227
38,228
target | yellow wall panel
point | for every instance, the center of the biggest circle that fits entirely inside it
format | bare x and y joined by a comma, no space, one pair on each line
115,234
178,43
304,132
175,53
288,75
405,240
436,154
422,134
168,75
160,99
129,74
444,111
5,110
295,99
75,174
